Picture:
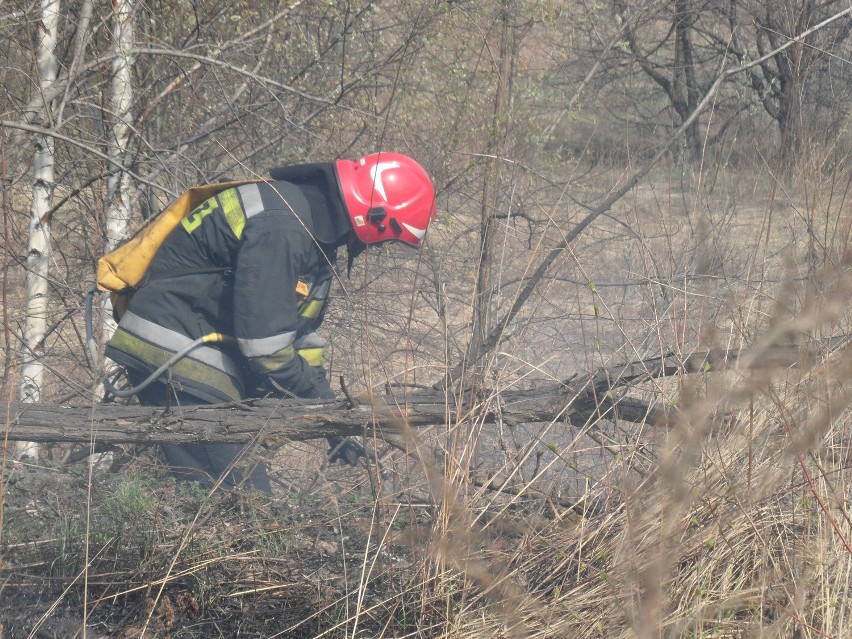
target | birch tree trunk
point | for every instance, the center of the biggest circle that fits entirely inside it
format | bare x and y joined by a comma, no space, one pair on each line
120,188
38,246
119,184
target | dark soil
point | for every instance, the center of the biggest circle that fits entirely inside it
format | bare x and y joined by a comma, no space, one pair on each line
113,553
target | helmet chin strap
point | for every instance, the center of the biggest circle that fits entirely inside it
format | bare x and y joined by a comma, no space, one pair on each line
354,248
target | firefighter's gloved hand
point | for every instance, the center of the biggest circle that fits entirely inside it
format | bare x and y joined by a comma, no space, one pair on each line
345,449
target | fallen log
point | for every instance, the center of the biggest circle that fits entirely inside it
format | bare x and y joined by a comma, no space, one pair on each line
219,423
293,419
577,401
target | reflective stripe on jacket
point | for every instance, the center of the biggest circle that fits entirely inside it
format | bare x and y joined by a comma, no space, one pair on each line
210,371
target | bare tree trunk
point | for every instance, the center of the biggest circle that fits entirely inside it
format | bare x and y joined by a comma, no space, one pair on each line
83,19
686,90
791,90
120,188
780,80
677,80
38,246
491,185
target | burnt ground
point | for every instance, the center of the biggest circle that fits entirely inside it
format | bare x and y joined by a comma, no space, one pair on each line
132,549
335,551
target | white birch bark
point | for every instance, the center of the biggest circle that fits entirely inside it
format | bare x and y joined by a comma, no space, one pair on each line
120,188
119,184
38,247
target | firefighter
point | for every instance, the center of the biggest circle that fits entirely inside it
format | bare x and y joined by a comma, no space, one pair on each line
256,262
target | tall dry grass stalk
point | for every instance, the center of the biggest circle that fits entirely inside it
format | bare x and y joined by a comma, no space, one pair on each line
741,530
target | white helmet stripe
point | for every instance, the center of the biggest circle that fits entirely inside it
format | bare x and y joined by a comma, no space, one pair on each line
376,172
416,232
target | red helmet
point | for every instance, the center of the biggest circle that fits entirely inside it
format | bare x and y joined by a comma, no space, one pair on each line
388,196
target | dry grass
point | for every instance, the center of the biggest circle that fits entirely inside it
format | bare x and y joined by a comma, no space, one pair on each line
732,521
739,529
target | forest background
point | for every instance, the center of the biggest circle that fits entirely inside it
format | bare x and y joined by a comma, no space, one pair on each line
616,181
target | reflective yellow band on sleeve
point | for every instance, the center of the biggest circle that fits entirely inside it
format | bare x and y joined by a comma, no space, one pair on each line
274,362
311,309
312,355
233,211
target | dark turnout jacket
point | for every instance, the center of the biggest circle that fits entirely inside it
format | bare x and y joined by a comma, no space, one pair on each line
253,263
